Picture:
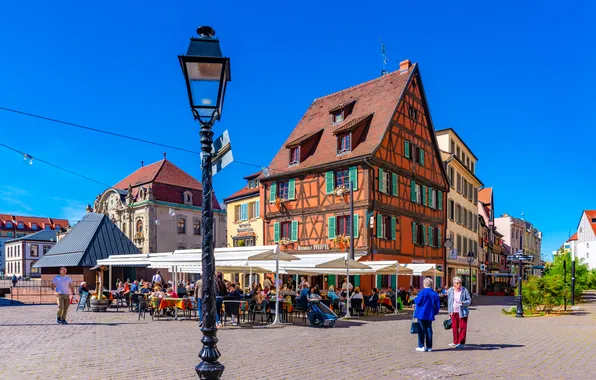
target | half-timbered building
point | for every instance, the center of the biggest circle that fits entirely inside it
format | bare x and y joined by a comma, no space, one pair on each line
378,136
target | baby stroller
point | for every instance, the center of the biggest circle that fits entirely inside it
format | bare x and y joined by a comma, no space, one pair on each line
318,313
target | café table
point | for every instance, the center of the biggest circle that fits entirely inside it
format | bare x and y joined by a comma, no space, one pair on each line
176,303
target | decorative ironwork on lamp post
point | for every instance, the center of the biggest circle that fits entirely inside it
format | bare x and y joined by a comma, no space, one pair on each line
207,72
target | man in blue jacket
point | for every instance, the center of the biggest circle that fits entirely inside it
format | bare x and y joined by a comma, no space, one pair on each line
427,306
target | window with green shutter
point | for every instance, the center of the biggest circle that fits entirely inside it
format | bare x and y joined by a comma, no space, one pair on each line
423,234
273,192
421,157
407,148
431,197
393,227
275,232
413,191
394,184
379,225
331,279
292,189
294,230
354,177
439,242
381,182
356,225
329,182
424,200
430,236
440,199
414,232
331,227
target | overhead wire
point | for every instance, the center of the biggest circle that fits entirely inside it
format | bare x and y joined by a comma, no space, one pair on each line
53,120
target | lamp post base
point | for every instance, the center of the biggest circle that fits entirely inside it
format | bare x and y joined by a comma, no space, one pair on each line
209,368
519,313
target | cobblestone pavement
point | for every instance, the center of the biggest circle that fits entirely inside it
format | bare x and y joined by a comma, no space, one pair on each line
114,345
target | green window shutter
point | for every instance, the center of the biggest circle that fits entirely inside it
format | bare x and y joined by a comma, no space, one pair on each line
276,232
393,227
379,225
379,281
331,279
394,184
292,189
381,187
440,243
407,148
413,191
414,230
356,280
393,282
331,227
258,209
273,192
294,230
329,182
356,225
354,177
440,199
424,200
430,236
421,157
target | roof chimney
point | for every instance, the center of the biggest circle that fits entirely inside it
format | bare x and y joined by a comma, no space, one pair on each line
404,65
164,155
142,163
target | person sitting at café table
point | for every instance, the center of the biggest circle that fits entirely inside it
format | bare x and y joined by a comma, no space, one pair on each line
134,287
357,295
157,292
233,293
388,305
313,295
146,289
333,296
171,293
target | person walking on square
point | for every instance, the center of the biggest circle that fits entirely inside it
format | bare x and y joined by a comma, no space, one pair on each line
458,304
427,306
14,280
62,285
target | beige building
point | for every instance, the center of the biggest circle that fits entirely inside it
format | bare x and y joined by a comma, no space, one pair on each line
462,208
158,207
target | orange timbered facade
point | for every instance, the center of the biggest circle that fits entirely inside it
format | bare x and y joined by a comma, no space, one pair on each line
379,137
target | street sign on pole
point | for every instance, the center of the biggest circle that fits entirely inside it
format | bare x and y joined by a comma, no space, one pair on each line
448,244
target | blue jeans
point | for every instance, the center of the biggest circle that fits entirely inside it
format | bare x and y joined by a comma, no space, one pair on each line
218,306
425,333
200,309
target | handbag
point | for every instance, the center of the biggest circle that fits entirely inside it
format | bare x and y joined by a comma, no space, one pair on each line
447,324
415,327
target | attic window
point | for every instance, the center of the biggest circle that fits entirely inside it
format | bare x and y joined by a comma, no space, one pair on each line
295,155
413,112
337,116
344,143
593,220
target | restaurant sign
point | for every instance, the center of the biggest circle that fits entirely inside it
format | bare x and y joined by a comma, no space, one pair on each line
245,227
316,247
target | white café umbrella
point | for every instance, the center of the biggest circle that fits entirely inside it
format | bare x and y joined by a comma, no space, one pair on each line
389,268
276,255
348,264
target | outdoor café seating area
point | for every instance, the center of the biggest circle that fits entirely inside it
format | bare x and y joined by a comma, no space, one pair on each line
251,302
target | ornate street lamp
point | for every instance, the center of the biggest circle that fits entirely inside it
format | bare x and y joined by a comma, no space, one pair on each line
206,73
470,257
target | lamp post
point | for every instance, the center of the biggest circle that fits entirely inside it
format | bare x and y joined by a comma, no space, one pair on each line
470,257
520,308
206,72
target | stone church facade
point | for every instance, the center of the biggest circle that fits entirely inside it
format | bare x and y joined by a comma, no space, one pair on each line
158,207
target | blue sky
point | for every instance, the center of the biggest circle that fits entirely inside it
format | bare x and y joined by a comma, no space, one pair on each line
511,79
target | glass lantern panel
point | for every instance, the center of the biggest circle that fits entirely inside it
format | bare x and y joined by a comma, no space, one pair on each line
204,81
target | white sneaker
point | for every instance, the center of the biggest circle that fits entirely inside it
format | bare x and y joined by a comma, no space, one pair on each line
420,349
452,344
429,350
458,346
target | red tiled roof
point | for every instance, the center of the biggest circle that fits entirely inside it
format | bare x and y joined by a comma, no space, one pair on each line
162,172
574,237
253,175
592,215
302,139
29,220
485,195
379,95
242,193
352,124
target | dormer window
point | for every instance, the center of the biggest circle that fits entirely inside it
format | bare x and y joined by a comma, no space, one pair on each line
337,116
593,220
187,198
57,227
20,226
8,224
413,113
34,226
253,183
295,155
344,143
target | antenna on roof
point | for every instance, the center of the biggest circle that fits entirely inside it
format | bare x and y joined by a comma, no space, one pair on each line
385,58
164,155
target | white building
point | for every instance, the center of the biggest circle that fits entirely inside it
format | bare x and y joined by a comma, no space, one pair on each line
22,253
520,234
584,248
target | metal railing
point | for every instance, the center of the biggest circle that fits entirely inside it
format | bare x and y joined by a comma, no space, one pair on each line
33,291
